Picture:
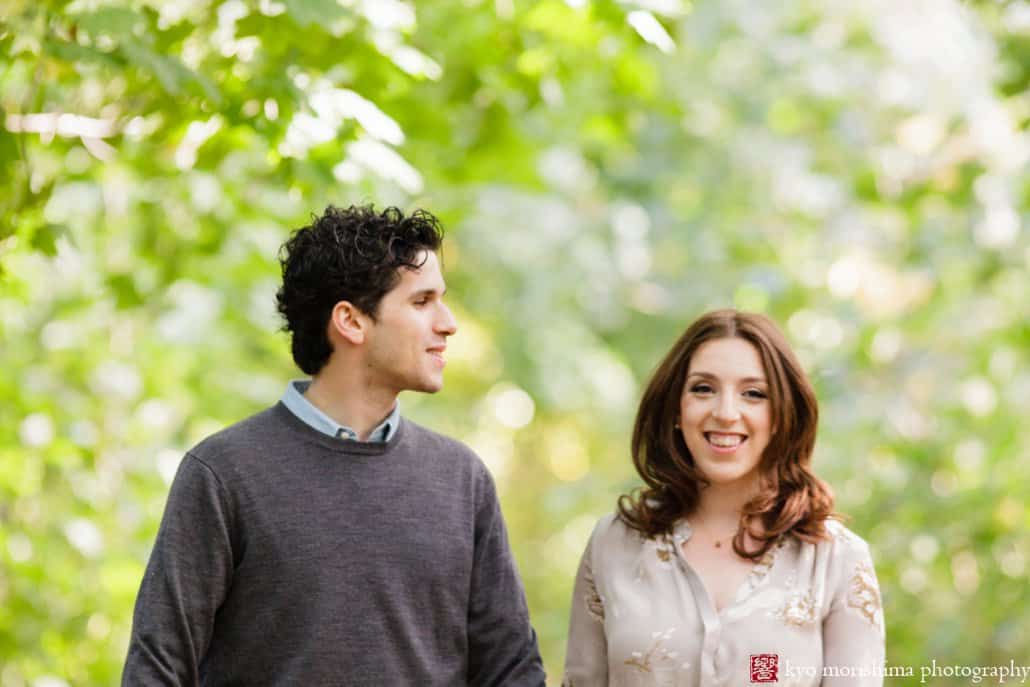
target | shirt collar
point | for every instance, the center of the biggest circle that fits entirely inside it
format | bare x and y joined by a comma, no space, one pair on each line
293,398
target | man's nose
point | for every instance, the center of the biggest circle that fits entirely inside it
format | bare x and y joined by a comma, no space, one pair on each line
446,324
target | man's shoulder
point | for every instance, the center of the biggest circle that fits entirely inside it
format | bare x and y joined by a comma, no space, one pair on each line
445,452
254,432
431,441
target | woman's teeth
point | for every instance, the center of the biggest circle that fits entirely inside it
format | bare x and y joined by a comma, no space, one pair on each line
725,440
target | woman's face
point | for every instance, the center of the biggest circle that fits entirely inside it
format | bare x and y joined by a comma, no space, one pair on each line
725,412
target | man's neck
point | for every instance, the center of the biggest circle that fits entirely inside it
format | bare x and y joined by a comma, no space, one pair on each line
350,402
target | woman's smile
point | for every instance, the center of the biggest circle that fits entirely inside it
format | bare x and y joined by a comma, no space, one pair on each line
722,442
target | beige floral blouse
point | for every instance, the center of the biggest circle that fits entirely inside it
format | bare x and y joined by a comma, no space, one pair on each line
807,615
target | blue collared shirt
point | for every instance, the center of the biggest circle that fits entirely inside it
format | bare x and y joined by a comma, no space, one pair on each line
307,413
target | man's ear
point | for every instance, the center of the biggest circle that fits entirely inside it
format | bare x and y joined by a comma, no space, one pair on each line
348,322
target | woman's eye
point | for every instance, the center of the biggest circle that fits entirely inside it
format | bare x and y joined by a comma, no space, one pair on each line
702,389
755,393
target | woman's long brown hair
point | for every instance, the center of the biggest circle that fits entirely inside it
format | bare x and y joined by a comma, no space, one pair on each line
791,499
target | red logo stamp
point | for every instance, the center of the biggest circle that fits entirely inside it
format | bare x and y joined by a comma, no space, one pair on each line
765,667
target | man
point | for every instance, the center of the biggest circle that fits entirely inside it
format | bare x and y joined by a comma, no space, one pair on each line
328,540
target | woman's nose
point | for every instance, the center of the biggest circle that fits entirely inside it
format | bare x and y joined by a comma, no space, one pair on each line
726,408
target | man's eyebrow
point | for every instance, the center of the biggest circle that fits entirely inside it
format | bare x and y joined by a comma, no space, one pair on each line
745,380
428,292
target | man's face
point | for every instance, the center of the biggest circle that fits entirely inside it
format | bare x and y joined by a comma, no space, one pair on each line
406,343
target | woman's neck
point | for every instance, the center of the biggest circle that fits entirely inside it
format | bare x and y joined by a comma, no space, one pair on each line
722,504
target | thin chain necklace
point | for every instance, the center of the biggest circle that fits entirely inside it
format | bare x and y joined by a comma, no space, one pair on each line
718,542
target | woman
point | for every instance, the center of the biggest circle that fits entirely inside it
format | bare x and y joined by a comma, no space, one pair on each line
727,567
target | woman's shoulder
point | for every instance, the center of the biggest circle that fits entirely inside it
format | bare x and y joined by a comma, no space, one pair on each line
840,536
611,531
852,573
608,525
617,551
843,546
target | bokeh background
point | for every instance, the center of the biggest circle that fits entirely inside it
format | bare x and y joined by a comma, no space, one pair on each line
607,171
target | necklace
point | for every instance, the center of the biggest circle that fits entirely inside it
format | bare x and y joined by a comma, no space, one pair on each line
717,541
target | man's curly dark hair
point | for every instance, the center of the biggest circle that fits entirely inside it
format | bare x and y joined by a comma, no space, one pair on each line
351,254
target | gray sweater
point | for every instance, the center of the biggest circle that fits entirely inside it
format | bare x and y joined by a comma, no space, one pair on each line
286,557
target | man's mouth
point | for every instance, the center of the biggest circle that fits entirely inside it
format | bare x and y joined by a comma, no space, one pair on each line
722,441
437,354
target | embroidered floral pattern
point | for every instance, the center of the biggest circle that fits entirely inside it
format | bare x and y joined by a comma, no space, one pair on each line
864,595
645,661
760,570
798,610
665,549
593,600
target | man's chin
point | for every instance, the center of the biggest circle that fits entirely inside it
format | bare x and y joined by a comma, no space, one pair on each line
429,386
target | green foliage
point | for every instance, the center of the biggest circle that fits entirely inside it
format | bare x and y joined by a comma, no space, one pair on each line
602,185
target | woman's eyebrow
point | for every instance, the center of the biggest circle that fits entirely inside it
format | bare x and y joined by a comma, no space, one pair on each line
743,380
